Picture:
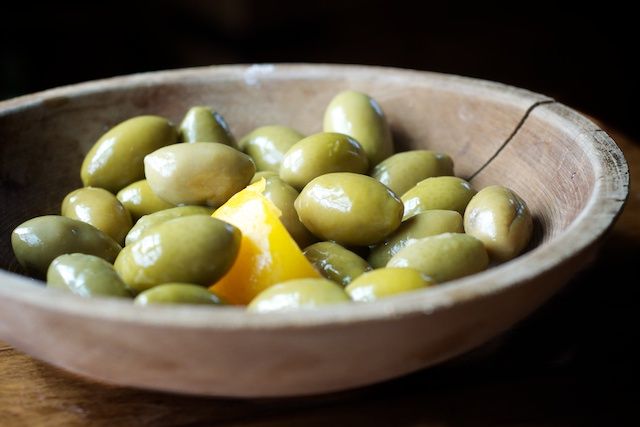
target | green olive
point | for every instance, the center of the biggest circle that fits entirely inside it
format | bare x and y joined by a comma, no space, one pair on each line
443,257
40,240
263,174
320,154
177,293
335,262
116,159
501,220
384,282
140,200
425,224
402,171
86,276
200,173
147,222
202,124
100,208
267,144
360,116
194,249
284,196
348,208
441,192
298,294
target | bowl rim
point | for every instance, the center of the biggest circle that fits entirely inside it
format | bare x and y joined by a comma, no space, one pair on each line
610,191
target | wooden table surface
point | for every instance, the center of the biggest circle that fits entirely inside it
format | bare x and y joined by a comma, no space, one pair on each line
573,362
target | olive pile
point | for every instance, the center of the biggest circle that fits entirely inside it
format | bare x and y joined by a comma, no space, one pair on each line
142,225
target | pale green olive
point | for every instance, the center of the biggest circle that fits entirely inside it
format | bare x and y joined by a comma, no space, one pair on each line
267,144
320,154
116,159
147,222
40,240
335,262
402,171
360,116
202,124
298,294
425,224
194,249
443,257
284,196
177,293
86,276
442,192
348,208
140,200
200,173
100,208
385,282
501,220
263,174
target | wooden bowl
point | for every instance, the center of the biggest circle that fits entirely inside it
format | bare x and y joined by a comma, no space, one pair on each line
571,173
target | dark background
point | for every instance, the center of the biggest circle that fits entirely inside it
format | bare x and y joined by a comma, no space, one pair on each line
575,359
583,56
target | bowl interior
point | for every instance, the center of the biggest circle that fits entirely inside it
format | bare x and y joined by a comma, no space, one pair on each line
43,141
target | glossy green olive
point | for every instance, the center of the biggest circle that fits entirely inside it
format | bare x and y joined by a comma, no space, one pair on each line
86,276
100,208
298,294
263,174
442,192
177,293
385,282
202,124
147,222
284,196
360,116
335,262
40,240
425,224
348,208
402,171
501,220
443,257
140,200
320,154
267,144
200,173
194,249
116,159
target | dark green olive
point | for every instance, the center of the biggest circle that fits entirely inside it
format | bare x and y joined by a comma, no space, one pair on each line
267,144
298,294
348,208
177,293
100,208
86,276
40,240
335,262
194,249
441,192
200,173
149,221
360,116
202,124
402,171
320,154
425,224
140,200
443,257
116,159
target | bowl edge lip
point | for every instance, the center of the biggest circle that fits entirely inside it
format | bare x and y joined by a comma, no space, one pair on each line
604,205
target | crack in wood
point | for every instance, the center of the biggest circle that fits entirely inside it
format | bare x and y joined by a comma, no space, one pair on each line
519,125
